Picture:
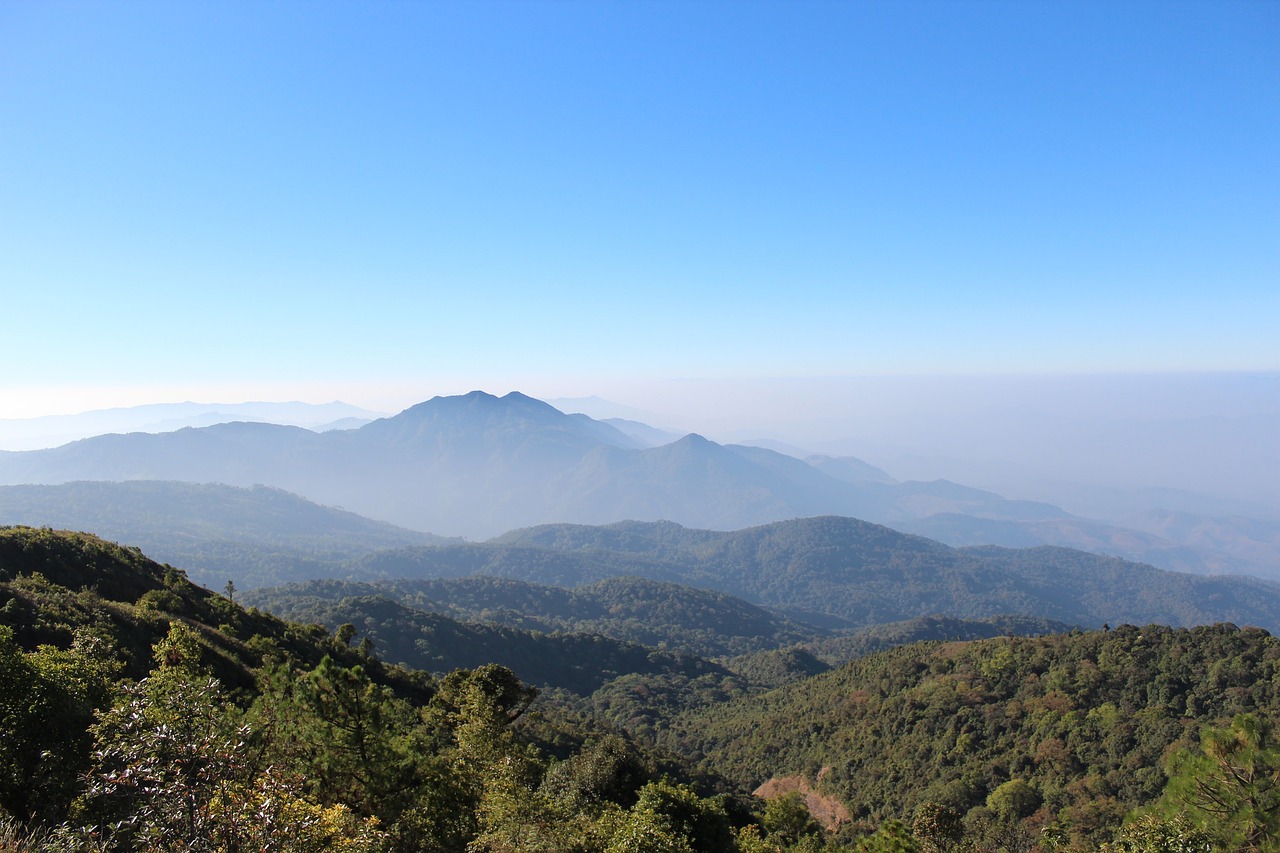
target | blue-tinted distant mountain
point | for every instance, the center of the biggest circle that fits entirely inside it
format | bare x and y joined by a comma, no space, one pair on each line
599,409
342,423
217,533
646,435
849,469
777,447
56,430
476,465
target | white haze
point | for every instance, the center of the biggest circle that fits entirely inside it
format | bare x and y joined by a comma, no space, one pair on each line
1104,446
1101,445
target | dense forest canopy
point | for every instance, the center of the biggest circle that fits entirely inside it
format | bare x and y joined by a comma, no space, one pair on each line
142,712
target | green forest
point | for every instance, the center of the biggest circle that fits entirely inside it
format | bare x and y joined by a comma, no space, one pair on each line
139,711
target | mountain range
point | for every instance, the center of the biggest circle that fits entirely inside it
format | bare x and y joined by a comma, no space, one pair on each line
53,430
478,465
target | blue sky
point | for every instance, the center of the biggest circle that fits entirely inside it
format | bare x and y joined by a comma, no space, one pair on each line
382,201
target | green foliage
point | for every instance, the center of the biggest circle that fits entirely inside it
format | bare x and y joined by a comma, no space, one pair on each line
1151,833
654,613
609,770
1230,787
1013,800
1084,720
892,837
239,738
679,812
47,701
787,819
936,827
581,663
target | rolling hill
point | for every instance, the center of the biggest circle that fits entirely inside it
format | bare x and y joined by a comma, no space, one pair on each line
255,536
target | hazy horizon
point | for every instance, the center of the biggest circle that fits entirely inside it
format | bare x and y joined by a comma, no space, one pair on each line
1033,437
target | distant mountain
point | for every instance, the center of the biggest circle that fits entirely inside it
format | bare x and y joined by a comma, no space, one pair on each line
637,610
844,573
55,430
1242,543
473,465
849,469
644,434
476,465
217,533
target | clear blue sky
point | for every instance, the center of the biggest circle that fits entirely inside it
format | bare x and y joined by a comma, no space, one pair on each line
317,200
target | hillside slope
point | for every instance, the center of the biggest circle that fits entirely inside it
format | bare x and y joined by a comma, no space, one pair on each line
638,610
1081,722
842,572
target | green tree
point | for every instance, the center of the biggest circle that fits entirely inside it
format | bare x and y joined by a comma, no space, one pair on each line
607,770
1231,786
47,702
936,827
357,745
1013,800
678,811
1150,833
787,818
892,837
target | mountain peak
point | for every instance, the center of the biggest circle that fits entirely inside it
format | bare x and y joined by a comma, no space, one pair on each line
475,400
470,419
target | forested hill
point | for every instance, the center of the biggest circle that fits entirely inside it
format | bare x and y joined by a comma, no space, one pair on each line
1076,727
844,573
139,712
638,610
578,662
58,587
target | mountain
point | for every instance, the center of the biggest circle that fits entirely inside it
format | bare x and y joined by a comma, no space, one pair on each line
471,465
637,610
476,465
60,587
54,430
253,536
141,712
646,435
844,573
578,662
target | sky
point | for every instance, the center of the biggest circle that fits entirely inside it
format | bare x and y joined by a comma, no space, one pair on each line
383,201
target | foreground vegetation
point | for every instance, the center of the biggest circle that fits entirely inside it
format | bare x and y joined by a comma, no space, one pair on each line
140,712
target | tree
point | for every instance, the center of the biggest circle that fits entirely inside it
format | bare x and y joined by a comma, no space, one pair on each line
608,770
47,701
936,827
173,768
1231,786
675,815
788,818
1150,833
1013,800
